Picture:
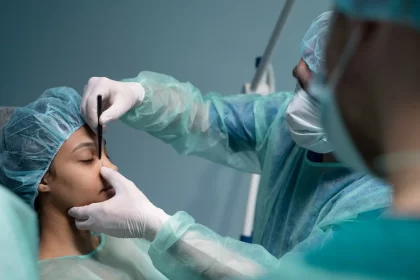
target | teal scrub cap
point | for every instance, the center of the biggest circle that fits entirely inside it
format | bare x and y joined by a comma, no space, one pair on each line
406,12
314,42
33,135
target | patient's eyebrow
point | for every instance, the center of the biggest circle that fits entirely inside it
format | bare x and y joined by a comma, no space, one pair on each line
83,145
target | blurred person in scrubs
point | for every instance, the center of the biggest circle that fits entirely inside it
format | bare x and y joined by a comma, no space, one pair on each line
370,102
304,197
18,238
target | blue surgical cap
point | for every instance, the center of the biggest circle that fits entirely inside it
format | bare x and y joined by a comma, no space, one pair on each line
33,135
314,42
405,12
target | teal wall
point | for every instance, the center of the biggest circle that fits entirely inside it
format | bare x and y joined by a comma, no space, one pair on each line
212,44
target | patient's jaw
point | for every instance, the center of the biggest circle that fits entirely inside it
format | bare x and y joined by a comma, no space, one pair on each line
74,177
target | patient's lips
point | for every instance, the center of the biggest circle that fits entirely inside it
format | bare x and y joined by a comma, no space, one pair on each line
108,189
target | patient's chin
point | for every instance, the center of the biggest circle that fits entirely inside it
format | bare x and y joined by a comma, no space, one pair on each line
101,197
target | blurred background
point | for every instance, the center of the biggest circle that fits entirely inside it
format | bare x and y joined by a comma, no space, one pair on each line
212,44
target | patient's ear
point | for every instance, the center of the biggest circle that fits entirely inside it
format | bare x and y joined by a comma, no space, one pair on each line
43,186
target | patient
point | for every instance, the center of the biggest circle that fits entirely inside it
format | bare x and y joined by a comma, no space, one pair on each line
49,158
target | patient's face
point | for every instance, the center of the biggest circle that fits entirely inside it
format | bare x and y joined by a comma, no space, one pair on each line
74,178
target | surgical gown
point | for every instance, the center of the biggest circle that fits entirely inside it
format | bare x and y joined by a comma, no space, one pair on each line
300,201
18,238
386,249
114,258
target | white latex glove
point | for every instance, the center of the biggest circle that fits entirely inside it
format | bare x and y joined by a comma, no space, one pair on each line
129,214
117,97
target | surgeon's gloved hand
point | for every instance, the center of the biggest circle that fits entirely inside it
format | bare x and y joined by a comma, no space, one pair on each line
129,214
117,97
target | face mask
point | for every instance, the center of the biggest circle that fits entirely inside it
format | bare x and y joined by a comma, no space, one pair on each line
331,119
303,120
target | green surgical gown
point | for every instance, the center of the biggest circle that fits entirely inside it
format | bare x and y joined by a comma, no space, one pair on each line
386,249
18,238
114,258
300,201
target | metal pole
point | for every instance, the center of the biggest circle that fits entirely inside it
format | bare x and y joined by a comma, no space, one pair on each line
271,44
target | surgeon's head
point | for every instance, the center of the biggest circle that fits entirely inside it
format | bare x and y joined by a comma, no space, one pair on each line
302,115
372,67
49,156
312,50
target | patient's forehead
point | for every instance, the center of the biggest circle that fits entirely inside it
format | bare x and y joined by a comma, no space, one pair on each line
83,134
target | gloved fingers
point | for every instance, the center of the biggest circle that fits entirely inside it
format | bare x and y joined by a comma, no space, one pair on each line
114,112
101,87
87,89
79,213
90,85
115,179
84,110
84,224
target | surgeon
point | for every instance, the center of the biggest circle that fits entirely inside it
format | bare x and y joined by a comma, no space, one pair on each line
370,100
304,197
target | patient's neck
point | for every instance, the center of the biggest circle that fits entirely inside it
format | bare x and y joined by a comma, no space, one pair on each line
59,236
